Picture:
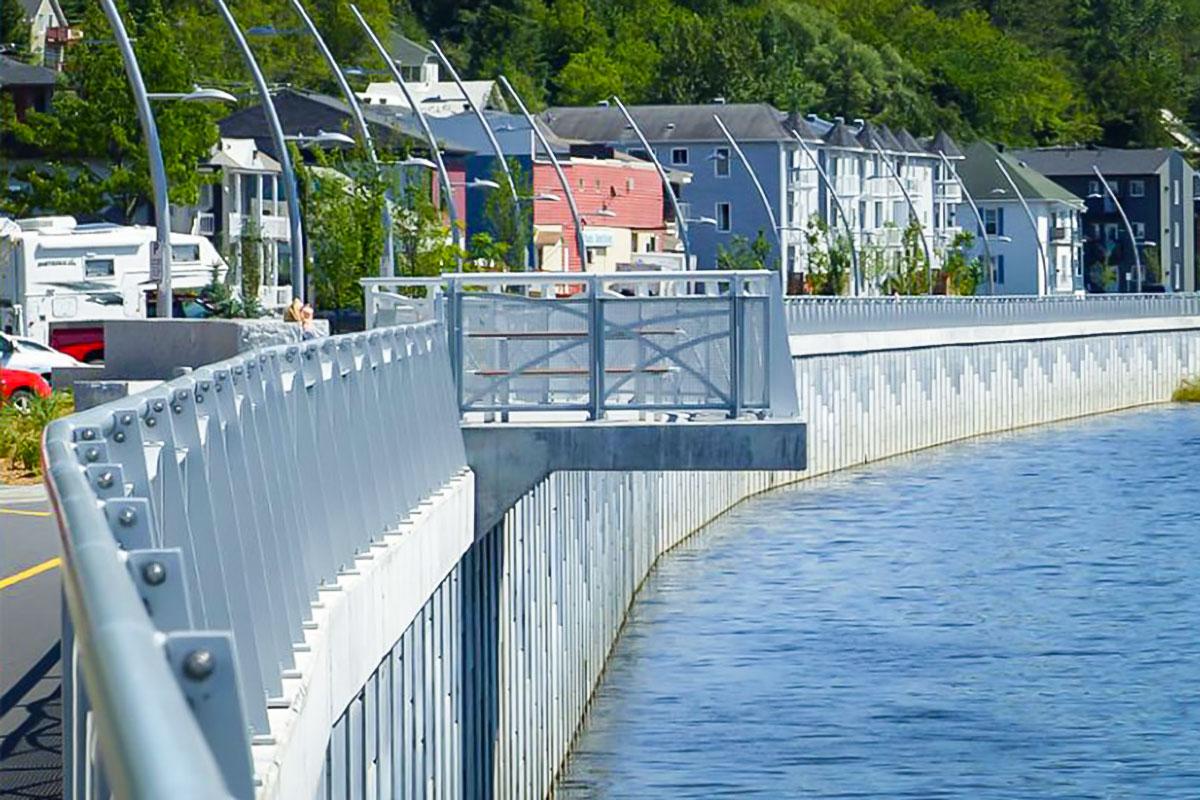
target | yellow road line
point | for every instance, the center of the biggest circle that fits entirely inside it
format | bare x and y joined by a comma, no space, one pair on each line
26,574
22,513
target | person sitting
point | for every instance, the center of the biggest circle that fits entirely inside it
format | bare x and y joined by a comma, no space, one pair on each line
307,329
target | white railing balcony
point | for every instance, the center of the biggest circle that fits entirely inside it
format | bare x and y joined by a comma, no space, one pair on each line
948,192
205,225
847,186
886,237
803,178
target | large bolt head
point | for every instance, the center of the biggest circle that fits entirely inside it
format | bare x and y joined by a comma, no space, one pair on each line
105,480
199,664
154,573
127,517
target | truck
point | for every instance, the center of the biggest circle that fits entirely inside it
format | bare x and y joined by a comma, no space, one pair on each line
61,279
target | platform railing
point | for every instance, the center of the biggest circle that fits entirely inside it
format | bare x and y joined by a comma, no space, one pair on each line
199,520
848,314
597,344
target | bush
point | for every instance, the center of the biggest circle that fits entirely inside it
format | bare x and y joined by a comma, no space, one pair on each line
1188,391
21,431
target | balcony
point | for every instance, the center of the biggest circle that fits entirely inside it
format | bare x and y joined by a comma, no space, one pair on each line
205,224
886,237
846,186
948,192
802,179
1062,235
270,226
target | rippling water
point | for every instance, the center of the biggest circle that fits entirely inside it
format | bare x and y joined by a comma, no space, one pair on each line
1012,617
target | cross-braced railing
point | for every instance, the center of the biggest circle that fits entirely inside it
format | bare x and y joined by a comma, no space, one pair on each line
200,518
604,343
807,315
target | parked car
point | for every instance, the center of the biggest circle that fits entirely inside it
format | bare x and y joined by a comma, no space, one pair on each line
21,352
19,387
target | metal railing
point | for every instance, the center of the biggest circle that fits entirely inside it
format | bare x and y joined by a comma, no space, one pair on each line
847,314
599,343
197,526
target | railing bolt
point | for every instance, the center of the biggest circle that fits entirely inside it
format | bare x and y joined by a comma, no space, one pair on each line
199,398
127,517
154,573
88,434
151,422
92,454
105,480
198,665
158,405
127,418
119,437
178,409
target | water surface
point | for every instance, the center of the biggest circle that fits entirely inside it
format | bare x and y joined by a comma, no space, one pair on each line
1013,617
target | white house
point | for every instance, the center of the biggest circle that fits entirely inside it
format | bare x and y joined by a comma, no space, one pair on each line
422,75
1041,257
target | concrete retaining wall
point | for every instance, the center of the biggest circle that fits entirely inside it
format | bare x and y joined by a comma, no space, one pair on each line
485,690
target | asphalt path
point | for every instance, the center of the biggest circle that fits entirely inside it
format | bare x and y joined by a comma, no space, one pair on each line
30,661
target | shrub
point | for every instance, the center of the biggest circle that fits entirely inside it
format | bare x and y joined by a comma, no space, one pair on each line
21,431
1188,391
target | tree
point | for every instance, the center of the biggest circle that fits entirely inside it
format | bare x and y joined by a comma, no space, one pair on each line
421,236
912,268
96,121
510,221
743,254
830,261
12,24
963,274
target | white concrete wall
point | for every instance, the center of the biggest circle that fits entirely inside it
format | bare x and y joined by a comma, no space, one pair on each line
484,693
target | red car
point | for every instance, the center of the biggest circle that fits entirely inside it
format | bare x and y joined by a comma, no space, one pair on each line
20,387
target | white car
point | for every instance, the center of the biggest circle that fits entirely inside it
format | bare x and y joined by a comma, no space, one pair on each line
20,352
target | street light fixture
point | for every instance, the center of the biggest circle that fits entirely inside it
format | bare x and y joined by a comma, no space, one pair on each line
1137,259
913,209
1037,236
549,197
424,163
702,221
837,204
605,212
762,195
196,95
322,138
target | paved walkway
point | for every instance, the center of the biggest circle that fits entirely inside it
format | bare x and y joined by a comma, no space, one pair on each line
30,661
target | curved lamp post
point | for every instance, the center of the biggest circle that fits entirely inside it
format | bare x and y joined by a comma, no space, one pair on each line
455,233
1037,237
1137,259
562,176
983,234
913,209
762,195
662,174
158,172
841,211
285,159
388,264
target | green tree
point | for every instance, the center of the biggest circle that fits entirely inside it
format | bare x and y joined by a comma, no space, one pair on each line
510,222
420,233
963,274
12,24
743,254
830,262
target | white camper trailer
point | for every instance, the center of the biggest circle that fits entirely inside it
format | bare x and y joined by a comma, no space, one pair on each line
53,269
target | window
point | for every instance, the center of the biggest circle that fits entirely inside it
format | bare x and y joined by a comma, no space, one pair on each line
999,270
993,221
1115,185
1137,188
629,184
1177,275
98,268
1139,231
1093,187
186,252
1110,232
724,217
1178,193
878,214
249,192
679,156
721,162
1178,230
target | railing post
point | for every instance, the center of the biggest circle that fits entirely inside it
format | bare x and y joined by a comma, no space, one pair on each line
370,291
595,350
737,356
454,338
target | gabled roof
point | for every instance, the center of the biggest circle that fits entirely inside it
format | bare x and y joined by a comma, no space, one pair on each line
512,131
405,51
942,143
15,73
796,122
870,137
747,122
1080,160
840,135
890,142
909,144
986,183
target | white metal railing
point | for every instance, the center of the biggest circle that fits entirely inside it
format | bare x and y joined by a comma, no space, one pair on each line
198,521
848,314
599,343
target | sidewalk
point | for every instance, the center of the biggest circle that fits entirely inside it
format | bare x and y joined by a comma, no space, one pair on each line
22,494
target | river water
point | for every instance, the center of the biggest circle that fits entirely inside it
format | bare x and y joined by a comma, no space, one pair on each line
1012,617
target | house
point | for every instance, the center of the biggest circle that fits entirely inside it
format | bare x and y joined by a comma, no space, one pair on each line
41,16
30,87
722,193
627,220
1038,258
421,71
1155,189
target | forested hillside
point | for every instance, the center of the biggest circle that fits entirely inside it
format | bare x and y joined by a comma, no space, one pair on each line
1020,71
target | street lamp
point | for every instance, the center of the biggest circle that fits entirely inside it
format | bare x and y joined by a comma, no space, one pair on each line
762,195
558,170
288,174
841,211
455,233
983,234
323,138
1137,259
549,197
1037,238
197,94
662,174
702,221
912,208
424,163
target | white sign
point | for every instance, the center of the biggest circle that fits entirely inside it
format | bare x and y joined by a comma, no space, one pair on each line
156,266
594,238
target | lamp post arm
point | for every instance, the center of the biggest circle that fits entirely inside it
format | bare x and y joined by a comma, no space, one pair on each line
158,171
762,194
455,233
987,248
478,112
562,176
680,220
277,137
1037,237
913,209
387,261
1137,259
841,211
